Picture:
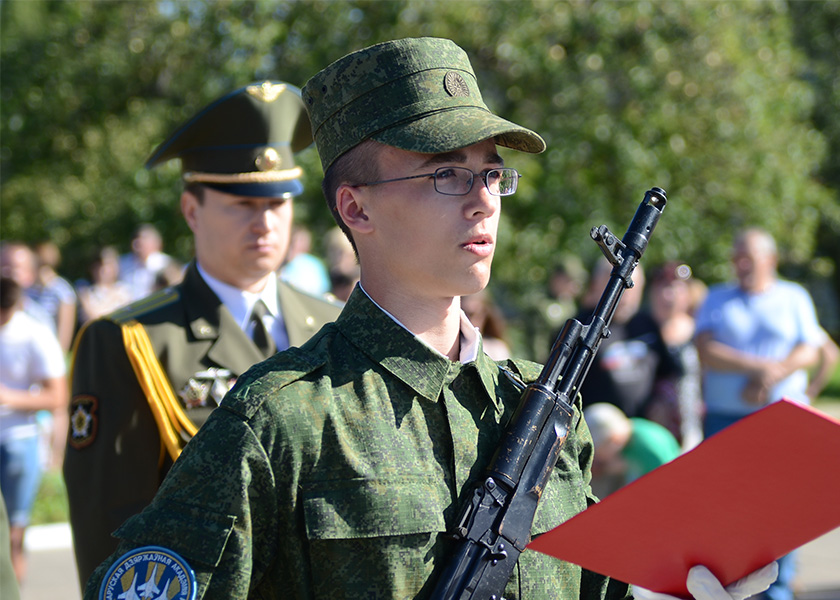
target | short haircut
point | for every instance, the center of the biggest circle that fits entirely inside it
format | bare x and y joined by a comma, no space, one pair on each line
10,292
606,421
357,165
765,241
197,190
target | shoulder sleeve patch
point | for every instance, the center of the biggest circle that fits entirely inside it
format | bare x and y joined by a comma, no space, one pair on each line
84,421
149,572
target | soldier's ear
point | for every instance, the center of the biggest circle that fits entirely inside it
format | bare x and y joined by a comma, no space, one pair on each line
189,205
350,205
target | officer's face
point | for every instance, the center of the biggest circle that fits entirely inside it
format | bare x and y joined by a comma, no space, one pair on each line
419,241
240,240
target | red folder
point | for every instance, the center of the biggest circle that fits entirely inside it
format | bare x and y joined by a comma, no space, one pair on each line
744,497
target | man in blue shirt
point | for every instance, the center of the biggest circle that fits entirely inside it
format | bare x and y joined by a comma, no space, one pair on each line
756,337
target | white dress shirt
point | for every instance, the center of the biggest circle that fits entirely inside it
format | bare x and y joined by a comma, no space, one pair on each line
241,303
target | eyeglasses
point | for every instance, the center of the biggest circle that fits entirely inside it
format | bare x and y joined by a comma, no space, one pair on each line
458,181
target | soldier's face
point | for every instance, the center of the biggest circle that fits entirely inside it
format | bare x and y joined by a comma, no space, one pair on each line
240,240
422,242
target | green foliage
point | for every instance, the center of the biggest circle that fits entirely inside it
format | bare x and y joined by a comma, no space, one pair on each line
711,101
51,504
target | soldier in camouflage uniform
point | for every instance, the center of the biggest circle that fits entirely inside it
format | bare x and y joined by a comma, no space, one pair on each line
334,470
146,377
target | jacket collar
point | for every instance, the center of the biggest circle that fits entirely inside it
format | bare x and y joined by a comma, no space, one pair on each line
208,319
402,354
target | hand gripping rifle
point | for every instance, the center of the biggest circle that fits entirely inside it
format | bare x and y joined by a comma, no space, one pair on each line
494,525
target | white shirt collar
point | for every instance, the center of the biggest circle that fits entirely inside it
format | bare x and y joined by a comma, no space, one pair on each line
469,334
239,302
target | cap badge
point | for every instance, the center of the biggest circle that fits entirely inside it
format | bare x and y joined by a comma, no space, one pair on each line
149,572
266,91
269,160
455,85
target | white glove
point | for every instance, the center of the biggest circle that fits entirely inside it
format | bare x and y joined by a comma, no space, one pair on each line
703,585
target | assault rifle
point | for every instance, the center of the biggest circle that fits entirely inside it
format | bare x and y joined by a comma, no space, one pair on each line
494,524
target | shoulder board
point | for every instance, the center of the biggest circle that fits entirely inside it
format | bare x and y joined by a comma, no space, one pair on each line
146,305
325,298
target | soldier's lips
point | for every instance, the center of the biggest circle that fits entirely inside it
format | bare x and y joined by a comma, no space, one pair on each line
480,246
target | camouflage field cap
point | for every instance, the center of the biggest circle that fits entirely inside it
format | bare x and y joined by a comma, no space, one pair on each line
416,94
243,143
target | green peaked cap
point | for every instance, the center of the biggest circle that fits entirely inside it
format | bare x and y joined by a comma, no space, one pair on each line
417,94
243,143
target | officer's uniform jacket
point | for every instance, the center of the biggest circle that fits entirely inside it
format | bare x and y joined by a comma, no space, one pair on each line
334,470
180,343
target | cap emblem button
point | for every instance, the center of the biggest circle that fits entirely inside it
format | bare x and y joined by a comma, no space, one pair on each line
266,91
455,85
269,160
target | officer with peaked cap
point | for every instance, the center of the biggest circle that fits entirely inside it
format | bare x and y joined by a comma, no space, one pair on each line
145,378
335,470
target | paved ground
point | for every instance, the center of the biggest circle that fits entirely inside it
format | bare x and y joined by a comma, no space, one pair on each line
52,572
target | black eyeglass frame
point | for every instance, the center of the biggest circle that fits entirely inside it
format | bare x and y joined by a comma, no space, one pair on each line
473,175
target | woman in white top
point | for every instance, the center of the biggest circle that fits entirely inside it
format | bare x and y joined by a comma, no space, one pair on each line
32,378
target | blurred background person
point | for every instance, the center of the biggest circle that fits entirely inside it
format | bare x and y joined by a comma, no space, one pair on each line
677,402
171,274
829,355
105,292
565,286
550,308
625,448
634,357
697,291
54,293
18,262
487,317
756,337
32,379
139,267
303,269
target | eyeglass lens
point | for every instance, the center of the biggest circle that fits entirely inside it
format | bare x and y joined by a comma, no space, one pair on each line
458,181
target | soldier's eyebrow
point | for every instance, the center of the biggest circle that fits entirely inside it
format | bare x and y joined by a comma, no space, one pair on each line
459,156
456,156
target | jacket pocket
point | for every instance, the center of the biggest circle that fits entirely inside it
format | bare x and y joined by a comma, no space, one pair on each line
366,508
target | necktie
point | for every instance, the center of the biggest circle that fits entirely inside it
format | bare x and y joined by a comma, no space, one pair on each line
260,335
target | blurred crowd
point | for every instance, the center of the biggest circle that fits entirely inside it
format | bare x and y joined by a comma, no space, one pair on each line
115,280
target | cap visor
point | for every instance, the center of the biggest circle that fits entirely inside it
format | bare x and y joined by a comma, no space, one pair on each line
448,130
269,189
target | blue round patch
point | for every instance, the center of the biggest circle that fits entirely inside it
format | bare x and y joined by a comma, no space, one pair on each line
149,572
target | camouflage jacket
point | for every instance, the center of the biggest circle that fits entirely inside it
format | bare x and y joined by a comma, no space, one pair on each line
332,471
